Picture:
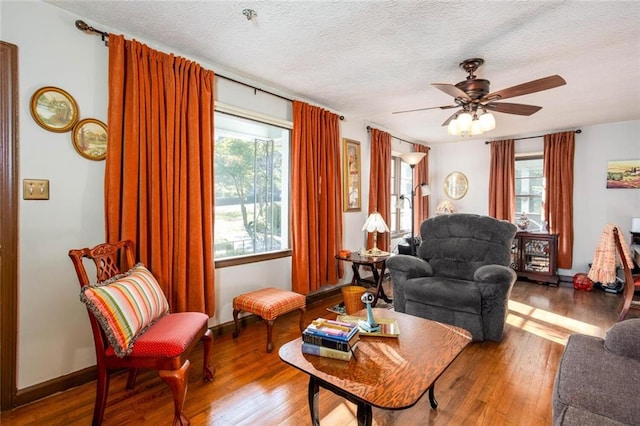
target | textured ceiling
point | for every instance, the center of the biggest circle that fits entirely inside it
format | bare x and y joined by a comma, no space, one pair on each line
365,59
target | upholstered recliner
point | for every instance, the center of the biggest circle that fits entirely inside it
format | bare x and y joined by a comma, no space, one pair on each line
461,275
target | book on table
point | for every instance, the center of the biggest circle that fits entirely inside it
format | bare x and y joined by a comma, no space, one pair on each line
331,342
308,348
330,338
337,330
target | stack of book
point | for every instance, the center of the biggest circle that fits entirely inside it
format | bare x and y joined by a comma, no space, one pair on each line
331,339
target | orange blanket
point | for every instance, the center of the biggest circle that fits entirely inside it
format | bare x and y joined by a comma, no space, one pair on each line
603,269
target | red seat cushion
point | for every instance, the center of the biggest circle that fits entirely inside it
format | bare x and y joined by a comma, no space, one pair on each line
168,337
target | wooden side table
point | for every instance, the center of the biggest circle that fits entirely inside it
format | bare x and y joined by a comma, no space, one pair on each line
377,265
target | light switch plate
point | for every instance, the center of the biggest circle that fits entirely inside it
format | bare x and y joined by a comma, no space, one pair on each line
35,189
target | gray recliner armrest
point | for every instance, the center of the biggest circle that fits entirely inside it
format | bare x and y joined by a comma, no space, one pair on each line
402,268
494,274
623,338
410,266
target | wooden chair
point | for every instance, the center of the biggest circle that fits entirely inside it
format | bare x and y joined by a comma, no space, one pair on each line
630,287
172,351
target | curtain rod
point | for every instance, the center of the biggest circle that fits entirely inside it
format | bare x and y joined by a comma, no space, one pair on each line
531,137
401,140
82,26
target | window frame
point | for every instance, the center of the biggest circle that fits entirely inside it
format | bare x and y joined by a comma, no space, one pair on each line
241,113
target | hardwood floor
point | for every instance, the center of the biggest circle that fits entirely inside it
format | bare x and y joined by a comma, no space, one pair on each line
507,383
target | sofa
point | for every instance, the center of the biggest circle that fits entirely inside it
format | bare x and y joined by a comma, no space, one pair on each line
598,380
461,274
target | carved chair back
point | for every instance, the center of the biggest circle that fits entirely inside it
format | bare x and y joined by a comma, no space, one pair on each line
110,260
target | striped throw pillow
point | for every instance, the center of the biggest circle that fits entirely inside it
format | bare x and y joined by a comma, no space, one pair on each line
125,306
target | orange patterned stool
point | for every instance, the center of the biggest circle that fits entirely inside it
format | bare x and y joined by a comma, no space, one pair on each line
268,303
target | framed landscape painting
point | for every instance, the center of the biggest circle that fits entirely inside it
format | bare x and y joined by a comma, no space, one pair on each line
623,174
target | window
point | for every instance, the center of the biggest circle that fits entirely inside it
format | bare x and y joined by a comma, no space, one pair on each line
529,190
400,221
251,187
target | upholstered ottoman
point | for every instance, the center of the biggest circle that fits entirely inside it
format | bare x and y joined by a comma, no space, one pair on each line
268,303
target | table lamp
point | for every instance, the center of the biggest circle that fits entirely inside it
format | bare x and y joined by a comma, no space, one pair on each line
375,223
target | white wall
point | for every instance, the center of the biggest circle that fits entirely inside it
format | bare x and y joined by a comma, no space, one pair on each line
593,204
54,337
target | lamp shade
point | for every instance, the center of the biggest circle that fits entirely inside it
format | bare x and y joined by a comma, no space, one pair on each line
425,189
635,224
476,128
445,207
464,121
487,121
412,158
375,223
452,128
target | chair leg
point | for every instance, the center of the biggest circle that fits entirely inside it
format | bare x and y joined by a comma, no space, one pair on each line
236,333
269,324
177,381
101,396
207,342
302,325
131,381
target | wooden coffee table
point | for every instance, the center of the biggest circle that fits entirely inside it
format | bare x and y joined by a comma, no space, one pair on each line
389,373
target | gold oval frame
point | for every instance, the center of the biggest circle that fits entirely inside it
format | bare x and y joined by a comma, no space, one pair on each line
90,139
456,185
54,109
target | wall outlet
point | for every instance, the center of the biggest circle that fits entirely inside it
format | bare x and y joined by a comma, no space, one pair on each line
35,189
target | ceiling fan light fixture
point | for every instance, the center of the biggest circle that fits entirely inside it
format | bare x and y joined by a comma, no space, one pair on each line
453,128
476,128
487,121
464,121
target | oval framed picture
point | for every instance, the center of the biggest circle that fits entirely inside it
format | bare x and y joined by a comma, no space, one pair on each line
90,139
456,185
54,109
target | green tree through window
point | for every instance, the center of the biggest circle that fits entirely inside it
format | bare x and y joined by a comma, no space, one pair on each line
249,173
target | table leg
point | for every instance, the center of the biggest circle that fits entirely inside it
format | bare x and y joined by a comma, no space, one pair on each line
379,278
365,416
356,274
432,397
314,391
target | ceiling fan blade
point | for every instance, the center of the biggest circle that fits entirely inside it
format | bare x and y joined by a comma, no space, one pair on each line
424,109
526,88
446,122
508,108
452,90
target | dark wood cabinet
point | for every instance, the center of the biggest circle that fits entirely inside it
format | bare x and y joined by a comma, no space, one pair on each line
533,256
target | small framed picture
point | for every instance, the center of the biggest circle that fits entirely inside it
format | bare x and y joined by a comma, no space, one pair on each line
90,139
54,109
623,174
351,172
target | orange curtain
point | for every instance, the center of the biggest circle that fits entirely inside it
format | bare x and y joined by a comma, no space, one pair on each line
159,168
502,193
559,151
421,176
380,184
316,198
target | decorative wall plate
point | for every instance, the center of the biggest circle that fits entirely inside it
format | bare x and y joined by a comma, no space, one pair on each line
90,139
456,185
54,109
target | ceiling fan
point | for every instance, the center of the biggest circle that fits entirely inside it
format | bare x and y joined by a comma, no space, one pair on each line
473,97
